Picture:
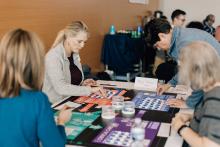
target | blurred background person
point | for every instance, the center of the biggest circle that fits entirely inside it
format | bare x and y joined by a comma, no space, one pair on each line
217,33
195,24
178,17
208,24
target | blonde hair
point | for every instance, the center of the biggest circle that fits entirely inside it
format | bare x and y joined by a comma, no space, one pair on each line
70,30
21,62
199,65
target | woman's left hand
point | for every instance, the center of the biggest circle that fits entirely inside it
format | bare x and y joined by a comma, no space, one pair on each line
185,117
89,82
177,122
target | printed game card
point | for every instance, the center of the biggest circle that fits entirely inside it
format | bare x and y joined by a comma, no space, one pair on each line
152,101
97,98
78,123
110,93
118,134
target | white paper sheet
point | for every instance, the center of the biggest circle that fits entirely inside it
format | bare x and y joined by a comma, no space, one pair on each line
164,130
69,104
58,102
174,141
148,84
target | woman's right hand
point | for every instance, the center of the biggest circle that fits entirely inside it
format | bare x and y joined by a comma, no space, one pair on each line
162,88
64,115
100,89
177,103
89,82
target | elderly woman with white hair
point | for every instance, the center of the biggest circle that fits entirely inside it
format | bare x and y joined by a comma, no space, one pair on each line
199,68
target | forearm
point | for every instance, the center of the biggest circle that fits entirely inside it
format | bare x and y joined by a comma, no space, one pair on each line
55,76
195,140
72,90
174,81
195,98
62,87
192,138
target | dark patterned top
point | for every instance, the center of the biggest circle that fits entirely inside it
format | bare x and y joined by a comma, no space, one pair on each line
76,75
209,29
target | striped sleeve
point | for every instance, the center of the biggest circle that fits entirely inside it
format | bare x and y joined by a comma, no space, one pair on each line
210,122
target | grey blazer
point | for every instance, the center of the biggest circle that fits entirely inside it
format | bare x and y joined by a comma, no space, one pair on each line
57,81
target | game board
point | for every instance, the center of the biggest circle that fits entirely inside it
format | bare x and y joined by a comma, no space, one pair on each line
152,101
79,122
109,93
118,134
97,98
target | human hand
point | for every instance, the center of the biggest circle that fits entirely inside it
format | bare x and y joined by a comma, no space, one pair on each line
177,103
177,122
162,88
184,116
64,115
100,89
89,82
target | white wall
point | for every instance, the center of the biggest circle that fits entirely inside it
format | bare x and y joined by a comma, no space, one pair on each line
195,9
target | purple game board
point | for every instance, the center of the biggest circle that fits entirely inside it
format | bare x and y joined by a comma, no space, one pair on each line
118,134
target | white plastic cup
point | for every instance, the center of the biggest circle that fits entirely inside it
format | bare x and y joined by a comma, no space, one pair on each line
117,103
128,110
108,114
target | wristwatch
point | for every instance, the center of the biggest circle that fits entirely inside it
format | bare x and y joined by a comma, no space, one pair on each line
180,129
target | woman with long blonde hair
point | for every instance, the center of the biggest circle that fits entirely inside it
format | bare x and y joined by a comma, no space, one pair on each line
26,117
64,76
199,68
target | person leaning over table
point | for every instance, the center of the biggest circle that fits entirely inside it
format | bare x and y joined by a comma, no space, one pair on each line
200,71
64,76
26,117
160,33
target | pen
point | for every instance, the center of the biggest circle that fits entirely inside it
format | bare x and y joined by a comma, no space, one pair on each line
107,85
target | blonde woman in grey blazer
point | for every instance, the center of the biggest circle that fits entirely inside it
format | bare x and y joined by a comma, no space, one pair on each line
63,72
